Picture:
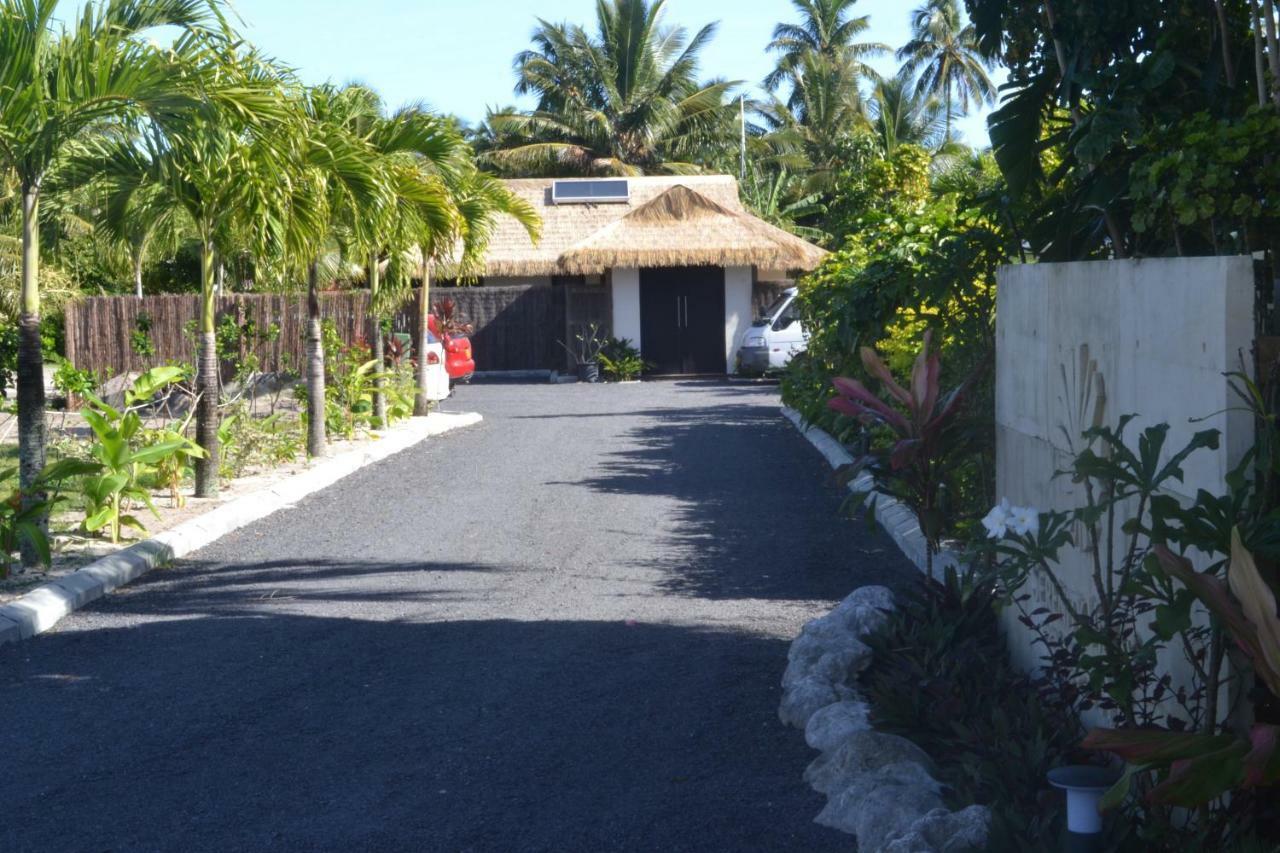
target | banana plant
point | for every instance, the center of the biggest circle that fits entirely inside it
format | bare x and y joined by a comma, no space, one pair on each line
121,457
1196,768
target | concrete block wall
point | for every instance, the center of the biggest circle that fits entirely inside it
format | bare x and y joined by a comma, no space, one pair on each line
1160,334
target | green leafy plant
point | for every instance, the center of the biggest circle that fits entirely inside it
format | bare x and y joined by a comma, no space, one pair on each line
21,521
620,361
1195,768
171,470
125,454
140,338
928,441
941,676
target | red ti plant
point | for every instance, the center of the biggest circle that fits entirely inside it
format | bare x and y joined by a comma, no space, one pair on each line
1192,768
448,320
929,439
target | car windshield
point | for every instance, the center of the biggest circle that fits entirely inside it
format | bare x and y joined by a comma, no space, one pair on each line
766,317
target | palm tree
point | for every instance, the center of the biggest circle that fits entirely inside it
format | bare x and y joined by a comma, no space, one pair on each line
335,178
943,55
217,170
825,109
899,115
58,85
416,155
479,199
626,100
827,29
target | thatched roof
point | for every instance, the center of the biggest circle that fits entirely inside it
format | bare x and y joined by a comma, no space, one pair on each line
668,221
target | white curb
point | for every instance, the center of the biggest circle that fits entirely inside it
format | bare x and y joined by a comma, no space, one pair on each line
894,517
42,608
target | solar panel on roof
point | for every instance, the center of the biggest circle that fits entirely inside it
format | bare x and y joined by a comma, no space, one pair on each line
604,191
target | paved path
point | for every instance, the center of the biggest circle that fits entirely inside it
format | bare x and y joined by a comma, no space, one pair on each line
560,630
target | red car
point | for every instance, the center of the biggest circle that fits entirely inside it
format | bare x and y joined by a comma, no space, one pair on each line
458,362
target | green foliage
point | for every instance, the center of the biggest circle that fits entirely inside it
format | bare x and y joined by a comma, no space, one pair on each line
127,454
1183,747
21,520
140,338
350,377
902,269
250,442
623,99
1206,183
72,381
927,442
941,676
1100,88
620,361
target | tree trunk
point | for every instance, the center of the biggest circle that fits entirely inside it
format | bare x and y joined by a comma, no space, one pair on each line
1228,65
1273,49
1259,64
421,403
31,419
315,367
208,381
379,393
137,275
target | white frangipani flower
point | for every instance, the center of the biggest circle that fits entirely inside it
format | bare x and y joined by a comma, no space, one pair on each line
1025,521
997,521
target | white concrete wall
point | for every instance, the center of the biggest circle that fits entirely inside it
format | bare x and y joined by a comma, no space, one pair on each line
1162,333
626,305
737,311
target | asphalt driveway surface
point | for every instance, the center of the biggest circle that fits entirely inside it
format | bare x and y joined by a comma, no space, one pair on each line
560,630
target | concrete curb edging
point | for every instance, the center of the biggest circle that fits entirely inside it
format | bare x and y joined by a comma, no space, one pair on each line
42,608
896,519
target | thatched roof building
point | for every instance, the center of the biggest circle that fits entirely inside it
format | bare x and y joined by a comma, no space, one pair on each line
674,264
686,220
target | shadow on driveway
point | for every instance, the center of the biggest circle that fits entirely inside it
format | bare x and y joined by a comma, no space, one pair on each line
276,732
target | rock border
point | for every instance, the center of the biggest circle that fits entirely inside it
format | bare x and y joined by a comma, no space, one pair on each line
880,787
40,609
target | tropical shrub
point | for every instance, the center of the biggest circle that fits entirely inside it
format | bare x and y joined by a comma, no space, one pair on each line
127,455
1109,651
251,442
919,443
941,676
620,361
21,521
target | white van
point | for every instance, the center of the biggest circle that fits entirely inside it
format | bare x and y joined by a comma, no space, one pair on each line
773,338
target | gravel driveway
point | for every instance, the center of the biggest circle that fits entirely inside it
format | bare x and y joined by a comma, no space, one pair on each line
559,630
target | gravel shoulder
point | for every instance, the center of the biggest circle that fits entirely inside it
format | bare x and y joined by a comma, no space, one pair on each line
561,629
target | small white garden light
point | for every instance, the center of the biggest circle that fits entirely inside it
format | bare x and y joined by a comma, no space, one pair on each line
1085,784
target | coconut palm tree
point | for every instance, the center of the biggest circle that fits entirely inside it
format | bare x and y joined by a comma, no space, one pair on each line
624,100
826,107
944,58
57,85
827,29
900,115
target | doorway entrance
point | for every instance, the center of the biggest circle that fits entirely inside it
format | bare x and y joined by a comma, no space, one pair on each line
682,320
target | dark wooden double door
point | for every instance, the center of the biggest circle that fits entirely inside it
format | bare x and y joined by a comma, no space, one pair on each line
682,320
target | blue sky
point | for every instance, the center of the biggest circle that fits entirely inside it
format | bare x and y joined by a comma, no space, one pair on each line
455,55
